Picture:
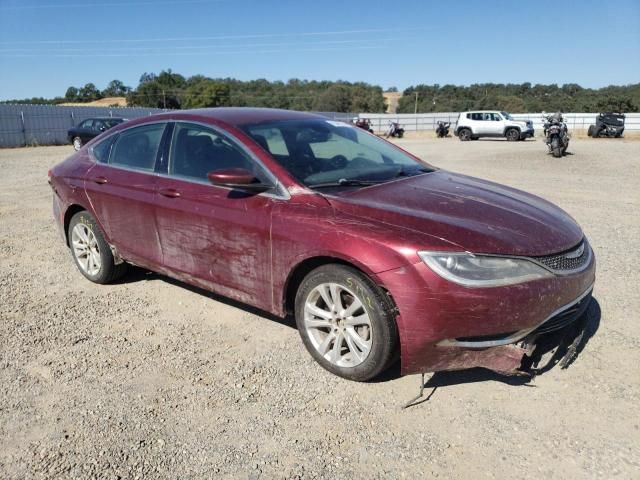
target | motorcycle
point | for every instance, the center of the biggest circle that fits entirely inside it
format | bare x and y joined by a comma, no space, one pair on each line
363,123
442,130
395,130
556,134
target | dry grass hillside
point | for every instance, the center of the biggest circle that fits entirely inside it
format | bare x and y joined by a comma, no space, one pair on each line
103,102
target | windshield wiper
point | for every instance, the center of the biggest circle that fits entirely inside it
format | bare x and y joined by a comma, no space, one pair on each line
343,182
411,172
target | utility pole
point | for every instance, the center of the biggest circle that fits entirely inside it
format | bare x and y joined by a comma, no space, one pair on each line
164,100
415,110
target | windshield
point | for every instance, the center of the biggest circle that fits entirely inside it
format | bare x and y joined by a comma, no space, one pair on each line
321,153
506,115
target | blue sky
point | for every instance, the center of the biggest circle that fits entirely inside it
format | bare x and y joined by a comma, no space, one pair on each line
46,46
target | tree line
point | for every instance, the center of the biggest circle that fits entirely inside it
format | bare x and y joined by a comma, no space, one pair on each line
171,90
520,98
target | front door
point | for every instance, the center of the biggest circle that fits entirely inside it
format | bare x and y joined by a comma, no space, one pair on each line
211,235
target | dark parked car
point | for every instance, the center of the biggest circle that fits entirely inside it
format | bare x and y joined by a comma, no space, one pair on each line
375,252
91,128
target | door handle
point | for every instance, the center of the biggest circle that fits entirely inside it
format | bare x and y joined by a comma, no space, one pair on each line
169,192
99,180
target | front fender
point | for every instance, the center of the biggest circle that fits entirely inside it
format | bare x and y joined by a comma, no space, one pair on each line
302,231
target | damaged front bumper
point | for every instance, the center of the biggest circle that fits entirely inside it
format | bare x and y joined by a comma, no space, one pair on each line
447,327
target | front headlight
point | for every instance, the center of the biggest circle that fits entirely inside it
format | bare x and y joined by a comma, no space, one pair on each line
482,270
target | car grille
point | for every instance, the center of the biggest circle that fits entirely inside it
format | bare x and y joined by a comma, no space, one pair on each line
569,261
565,317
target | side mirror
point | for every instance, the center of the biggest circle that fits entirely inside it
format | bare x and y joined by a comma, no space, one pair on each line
237,178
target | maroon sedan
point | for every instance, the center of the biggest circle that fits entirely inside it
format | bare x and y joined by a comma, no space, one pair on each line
375,252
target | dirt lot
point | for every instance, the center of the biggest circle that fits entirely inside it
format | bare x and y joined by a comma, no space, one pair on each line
153,379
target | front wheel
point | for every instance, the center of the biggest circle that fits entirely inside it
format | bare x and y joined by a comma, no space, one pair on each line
77,143
90,250
513,135
347,323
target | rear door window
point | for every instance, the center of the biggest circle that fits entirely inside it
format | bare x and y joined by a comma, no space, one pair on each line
137,147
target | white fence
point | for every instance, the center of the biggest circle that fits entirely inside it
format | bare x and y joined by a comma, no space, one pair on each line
427,121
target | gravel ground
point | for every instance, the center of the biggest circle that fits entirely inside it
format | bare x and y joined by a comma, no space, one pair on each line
150,378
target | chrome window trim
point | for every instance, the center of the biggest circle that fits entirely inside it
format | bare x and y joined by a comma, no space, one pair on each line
514,337
279,191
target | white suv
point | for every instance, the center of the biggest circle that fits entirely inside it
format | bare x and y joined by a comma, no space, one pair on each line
489,123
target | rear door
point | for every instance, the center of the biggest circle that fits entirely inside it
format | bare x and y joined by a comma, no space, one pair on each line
210,235
122,187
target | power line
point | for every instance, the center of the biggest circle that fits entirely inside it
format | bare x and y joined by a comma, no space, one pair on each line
194,47
105,4
219,37
229,52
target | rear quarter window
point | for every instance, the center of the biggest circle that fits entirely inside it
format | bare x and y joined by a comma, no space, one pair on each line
102,150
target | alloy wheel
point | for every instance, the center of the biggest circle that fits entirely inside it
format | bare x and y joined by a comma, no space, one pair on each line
338,324
85,249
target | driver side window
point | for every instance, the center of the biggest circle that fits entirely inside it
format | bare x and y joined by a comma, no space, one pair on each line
197,150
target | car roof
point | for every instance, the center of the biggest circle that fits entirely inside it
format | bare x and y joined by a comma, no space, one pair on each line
235,116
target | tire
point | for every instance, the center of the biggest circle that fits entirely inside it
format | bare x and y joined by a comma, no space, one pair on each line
556,149
77,143
357,346
596,132
86,241
464,134
590,130
512,134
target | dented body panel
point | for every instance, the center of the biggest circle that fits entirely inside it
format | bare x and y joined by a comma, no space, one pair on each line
246,246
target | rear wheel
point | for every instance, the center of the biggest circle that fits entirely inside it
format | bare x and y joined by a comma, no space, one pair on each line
90,251
512,134
77,143
556,149
347,323
590,130
464,134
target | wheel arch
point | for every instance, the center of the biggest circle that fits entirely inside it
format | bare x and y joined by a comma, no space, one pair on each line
68,215
304,267
511,127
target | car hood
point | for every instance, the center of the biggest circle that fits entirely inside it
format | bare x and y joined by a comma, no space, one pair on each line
465,213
